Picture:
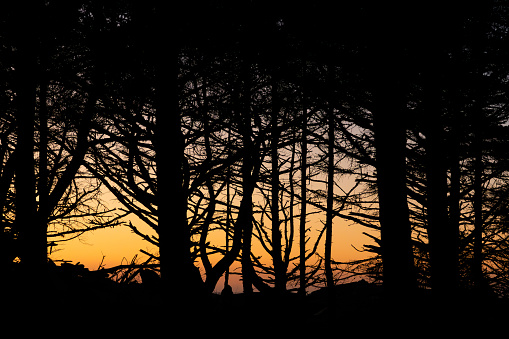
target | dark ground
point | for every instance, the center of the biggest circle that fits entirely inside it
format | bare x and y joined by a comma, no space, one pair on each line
358,308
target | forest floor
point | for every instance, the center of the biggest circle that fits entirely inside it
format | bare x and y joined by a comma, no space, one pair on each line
357,308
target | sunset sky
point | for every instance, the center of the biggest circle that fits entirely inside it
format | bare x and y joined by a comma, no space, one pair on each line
119,245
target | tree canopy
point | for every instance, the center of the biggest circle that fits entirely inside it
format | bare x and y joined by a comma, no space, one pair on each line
391,117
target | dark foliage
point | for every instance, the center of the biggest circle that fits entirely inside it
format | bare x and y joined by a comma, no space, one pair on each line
393,117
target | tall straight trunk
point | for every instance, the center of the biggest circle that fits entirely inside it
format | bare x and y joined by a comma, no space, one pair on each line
247,265
279,273
42,184
390,144
455,183
228,216
303,205
443,235
478,214
479,95
7,250
248,181
290,225
177,270
247,227
455,193
32,237
330,204
388,74
443,232
33,252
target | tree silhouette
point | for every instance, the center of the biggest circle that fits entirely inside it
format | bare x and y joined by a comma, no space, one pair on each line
286,122
49,142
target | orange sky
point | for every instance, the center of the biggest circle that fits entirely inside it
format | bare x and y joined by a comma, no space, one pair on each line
119,245
116,245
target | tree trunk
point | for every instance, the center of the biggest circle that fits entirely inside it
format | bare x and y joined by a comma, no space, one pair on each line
388,74
42,183
330,204
279,272
455,197
303,204
479,96
443,236
228,217
32,237
477,261
248,184
177,270
390,143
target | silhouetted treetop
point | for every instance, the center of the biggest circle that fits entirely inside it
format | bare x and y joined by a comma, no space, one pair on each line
288,121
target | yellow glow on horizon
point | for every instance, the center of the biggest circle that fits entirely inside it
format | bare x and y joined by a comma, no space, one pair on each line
345,234
119,245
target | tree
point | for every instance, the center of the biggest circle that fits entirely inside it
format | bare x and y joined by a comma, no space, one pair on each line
303,208
389,126
330,201
54,110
